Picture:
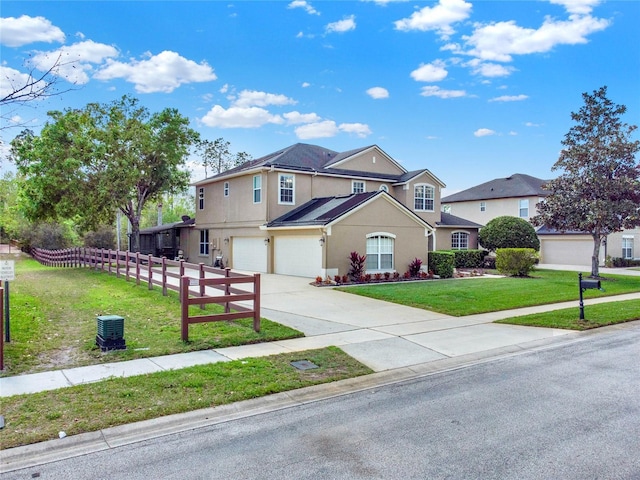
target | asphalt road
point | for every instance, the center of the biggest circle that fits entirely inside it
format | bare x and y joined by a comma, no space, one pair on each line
567,412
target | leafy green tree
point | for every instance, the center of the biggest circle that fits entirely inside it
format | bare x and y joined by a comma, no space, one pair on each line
11,217
217,156
174,207
88,163
508,232
599,189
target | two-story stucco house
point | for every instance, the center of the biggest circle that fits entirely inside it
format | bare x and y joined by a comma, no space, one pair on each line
303,209
518,195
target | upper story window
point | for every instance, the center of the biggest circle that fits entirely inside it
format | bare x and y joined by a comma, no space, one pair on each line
524,208
423,198
459,241
384,188
201,198
483,206
357,186
380,251
226,189
257,189
286,185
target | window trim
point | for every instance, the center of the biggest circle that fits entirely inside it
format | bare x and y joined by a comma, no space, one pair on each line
424,198
257,189
460,232
520,208
353,186
201,198
379,253
293,189
483,206
226,189
627,244
204,243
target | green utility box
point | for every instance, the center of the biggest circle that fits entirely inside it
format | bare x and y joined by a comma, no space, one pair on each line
110,333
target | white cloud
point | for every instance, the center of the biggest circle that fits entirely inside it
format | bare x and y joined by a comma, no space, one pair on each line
341,26
159,73
486,69
509,98
360,130
439,18
304,5
378,92
499,41
430,72
296,118
15,32
531,124
13,79
324,129
76,61
384,3
237,117
513,133
484,132
224,88
433,91
253,98
580,7
305,84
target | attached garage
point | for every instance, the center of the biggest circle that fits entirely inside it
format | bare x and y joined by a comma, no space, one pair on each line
567,249
249,253
299,256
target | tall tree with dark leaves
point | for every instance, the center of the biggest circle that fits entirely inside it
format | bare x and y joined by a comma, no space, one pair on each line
598,191
86,164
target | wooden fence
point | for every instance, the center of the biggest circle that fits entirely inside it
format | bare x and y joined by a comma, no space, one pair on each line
176,275
1,328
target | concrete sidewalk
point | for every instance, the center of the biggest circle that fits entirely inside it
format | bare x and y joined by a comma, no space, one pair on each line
381,335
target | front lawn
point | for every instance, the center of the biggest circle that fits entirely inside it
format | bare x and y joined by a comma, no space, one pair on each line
54,310
460,297
569,318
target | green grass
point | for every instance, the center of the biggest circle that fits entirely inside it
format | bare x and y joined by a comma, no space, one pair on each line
54,310
595,316
479,295
85,408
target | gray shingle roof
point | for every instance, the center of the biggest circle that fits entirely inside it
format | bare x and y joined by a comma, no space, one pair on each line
517,185
448,220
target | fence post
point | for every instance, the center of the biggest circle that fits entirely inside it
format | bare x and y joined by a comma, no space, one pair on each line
164,276
1,328
256,302
150,272
137,268
227,292
117,263
184,307
201,265
180,275
127,265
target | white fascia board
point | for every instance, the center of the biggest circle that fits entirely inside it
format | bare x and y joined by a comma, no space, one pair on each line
426,170
372,147
250,171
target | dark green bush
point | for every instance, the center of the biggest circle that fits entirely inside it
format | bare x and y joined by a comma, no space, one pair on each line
442,263
469,258
103,237
508,232
515,262
624,262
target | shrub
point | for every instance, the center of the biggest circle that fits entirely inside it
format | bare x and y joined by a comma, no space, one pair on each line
396,275
103,237
356,265
367,277
469,258
414,267
337,279
618,262
489,262
515,262
508,232
378,277
345,279
442,264
318,279
50,236
387,275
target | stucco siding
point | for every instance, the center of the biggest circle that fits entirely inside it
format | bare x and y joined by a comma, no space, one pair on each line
493,208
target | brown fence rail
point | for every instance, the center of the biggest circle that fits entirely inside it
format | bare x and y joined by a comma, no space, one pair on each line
169,275
1,328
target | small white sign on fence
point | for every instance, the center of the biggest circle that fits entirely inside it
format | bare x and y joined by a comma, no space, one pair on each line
7,270
194,282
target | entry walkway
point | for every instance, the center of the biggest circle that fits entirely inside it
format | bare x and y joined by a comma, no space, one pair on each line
381,335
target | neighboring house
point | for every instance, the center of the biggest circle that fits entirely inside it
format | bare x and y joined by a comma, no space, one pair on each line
165,240
518,195
303,209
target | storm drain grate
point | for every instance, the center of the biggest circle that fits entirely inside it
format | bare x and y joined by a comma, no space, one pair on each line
304,365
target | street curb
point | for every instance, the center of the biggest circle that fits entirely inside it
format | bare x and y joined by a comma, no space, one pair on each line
28,456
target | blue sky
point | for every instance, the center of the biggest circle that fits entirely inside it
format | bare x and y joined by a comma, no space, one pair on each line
472,90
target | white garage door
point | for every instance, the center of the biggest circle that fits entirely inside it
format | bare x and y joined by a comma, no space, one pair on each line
298,256
250,254
567,251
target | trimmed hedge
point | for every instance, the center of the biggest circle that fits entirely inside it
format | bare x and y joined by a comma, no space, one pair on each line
624,262
515,262
469,258
442,263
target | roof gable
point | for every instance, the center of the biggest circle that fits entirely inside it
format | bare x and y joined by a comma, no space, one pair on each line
516,185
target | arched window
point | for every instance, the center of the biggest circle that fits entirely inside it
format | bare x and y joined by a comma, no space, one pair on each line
423,198
380,251
459,241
